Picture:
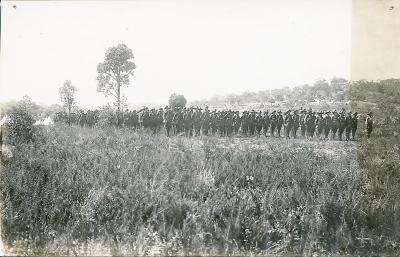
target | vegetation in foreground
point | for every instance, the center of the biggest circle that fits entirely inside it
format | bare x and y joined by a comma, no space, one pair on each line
71,190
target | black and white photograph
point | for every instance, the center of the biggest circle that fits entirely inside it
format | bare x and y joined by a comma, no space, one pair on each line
200,128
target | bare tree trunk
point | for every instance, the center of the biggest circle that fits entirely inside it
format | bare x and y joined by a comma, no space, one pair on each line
118,103
69,115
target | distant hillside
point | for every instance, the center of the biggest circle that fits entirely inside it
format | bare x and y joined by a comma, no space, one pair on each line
382,97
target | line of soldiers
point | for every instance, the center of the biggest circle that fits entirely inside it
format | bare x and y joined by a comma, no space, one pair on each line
84,119
196,121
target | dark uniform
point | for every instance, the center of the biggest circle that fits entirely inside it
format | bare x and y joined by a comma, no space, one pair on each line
279,123
206,121
310,122
335,124
319,124
368,124
259,123
273,119
348,123
296,123
354,125
327,124
266,123
168,120
303,125
288,123
342,124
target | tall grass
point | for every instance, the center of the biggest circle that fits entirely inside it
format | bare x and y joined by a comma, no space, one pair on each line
74,189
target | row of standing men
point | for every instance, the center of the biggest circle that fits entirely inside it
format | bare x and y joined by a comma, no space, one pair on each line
196,121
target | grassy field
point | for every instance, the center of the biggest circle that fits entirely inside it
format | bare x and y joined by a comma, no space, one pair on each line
75,190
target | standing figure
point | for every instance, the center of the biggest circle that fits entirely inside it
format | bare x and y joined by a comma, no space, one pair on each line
266,123
259,123
273,119
296,123
368,124
302,121
168,120
342,124
279,123
288,123
348,126
319,124
310,122
205,119
354,125
327,124
335,123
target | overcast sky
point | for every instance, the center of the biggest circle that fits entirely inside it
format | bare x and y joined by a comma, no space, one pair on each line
196,48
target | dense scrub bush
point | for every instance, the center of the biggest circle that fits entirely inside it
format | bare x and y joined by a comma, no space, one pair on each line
135,193
20,126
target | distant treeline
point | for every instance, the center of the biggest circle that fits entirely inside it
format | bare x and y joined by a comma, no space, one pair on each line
381,97
336,90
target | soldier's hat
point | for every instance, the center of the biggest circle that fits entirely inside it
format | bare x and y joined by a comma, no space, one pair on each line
370,113
273,111
279,111
355,113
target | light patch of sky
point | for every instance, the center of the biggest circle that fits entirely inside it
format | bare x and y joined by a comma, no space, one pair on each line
195,48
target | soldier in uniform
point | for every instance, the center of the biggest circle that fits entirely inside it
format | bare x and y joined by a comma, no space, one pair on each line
206,121
310,122
153,120
245,124
197,121
319,124
368,124
327,124
341,123
296,123
259,123
168,120
237,122
354,125
266,123
303,125
335,123
160,119
188,122
348,123
82,118
273,119
214,124
252,122
279,122
288,123
177,121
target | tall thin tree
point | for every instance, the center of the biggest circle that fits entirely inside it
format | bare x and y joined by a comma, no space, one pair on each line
115,72
67,95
